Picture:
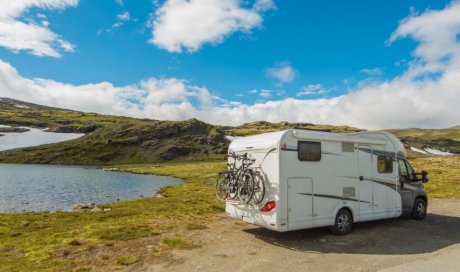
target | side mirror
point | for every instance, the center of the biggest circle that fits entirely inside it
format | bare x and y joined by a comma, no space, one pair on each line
424,176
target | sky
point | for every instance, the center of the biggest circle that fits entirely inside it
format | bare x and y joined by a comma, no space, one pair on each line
369,64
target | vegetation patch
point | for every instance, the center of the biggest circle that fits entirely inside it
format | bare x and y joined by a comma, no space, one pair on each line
195,226
444,175
123,233
178,241
127,260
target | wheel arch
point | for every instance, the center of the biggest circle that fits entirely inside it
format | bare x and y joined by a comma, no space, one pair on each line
347,207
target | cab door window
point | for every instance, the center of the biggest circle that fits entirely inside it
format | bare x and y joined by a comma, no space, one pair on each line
403,173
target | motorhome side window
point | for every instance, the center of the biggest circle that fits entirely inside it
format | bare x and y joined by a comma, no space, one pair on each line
309,151
384,164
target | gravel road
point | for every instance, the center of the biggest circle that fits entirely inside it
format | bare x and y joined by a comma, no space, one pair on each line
386,245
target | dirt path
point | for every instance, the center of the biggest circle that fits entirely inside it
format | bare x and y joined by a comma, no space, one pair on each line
390,245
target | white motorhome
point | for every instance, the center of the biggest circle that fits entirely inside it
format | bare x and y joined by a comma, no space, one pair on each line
316,179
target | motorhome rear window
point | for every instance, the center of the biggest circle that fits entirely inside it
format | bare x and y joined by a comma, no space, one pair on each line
384,164
309,151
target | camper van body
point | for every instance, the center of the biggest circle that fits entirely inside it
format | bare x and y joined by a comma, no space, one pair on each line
310,189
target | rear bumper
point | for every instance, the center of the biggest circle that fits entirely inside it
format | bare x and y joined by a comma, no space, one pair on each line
252,215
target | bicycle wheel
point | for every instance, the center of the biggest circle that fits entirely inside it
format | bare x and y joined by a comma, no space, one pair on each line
246,188
232,189
259,188
222,186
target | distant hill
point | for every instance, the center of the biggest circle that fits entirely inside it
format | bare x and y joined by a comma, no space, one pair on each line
115,139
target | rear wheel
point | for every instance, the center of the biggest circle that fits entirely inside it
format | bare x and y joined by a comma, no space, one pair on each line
419,209
343,223
246,188
259,188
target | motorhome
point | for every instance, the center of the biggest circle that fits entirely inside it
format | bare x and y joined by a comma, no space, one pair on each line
316,179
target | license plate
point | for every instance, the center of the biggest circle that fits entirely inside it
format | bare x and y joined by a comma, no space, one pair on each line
248,219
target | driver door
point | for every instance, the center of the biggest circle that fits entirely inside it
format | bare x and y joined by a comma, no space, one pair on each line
405,189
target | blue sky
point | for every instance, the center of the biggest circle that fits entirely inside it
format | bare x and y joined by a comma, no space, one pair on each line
270,51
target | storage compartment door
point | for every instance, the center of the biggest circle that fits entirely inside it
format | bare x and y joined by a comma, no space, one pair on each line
300,203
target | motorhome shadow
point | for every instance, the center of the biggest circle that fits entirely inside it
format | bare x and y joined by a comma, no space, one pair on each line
316,179
382,237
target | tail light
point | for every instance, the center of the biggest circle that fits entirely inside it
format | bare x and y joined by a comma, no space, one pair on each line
270,205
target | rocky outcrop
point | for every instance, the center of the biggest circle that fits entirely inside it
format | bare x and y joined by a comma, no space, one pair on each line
75,129
82,207
13,129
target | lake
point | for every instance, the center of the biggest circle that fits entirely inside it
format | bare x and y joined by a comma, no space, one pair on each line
53,188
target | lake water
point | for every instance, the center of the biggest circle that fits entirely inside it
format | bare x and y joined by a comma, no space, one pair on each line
33,137
52,188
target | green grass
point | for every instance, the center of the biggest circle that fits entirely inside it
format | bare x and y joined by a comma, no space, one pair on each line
444,175
127,260
59,241
178,241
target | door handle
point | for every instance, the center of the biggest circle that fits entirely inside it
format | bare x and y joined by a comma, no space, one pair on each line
361,178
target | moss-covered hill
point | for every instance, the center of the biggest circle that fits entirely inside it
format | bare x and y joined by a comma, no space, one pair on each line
109,139
115,139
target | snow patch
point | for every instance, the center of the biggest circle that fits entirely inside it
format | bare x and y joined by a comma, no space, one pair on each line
437,152
418,150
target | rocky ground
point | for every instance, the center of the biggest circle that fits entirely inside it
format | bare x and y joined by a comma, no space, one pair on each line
389,245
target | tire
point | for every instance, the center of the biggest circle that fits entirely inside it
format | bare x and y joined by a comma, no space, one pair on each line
419,209
259,188
343,223
222,186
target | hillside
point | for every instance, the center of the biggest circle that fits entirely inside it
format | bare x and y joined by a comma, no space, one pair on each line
118,140
108,139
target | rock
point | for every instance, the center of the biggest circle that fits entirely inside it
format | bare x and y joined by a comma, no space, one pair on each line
110,169
83,207
75,129
25,223
13,129
158,196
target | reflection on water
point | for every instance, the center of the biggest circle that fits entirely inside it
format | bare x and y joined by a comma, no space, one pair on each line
51,188
33,137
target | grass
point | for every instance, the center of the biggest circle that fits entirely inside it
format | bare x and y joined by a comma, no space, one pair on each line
179,241
127,260
59,241
444,175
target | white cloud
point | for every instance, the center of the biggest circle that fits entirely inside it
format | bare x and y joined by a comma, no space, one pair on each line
125,16
122,18
372,72
265,93
35,38
119,2
312,89
282,72
416,98
188,24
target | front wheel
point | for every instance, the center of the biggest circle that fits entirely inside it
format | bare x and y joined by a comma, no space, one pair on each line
419,210
343,223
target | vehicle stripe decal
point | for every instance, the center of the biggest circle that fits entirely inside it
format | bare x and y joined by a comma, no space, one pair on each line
383,182
295,149
334,197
